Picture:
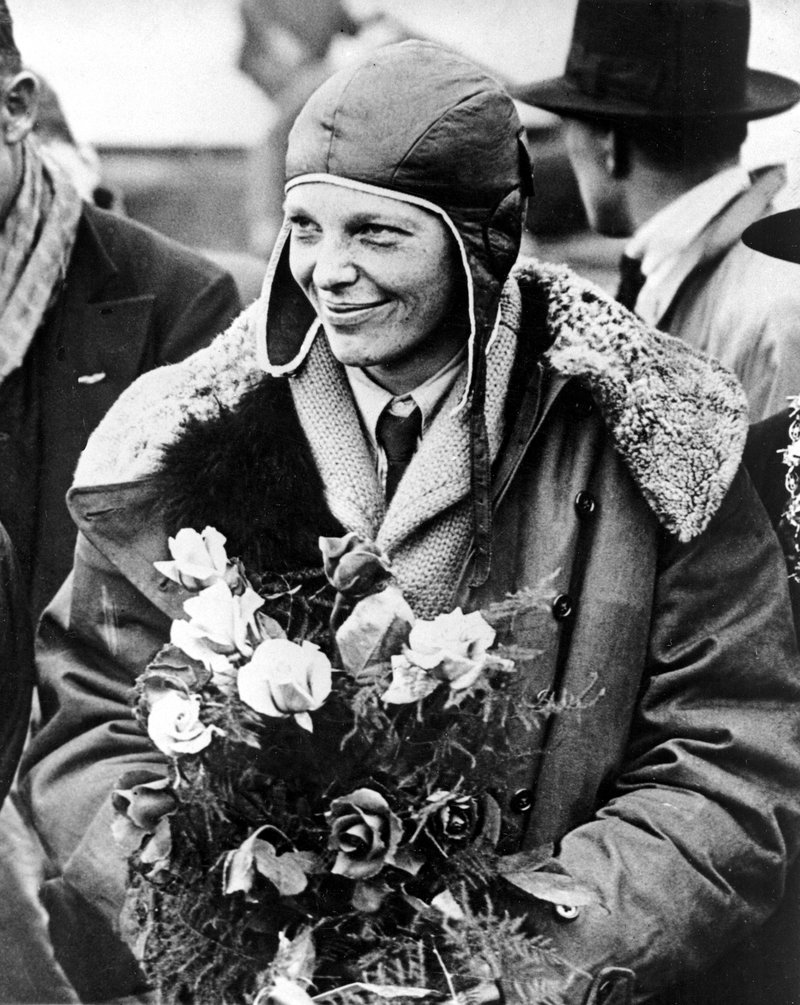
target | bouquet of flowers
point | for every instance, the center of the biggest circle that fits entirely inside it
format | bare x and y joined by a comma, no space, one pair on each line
328,829
791,517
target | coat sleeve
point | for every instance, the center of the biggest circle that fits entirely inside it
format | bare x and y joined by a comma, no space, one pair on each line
94,639
16,665
690,852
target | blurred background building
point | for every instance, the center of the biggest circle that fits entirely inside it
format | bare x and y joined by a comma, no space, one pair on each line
187,102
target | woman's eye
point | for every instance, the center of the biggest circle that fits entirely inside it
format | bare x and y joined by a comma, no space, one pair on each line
302,226
380,233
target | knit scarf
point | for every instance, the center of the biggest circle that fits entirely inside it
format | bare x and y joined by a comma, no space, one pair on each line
35,245
427,529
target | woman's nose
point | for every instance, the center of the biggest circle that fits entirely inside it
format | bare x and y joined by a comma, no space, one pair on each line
334,265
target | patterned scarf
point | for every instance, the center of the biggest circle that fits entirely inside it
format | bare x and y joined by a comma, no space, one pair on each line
35,245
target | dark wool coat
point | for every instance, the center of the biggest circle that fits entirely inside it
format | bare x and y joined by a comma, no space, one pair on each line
131,300
675,793
16,664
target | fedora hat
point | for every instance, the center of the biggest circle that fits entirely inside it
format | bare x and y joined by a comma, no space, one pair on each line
777,236
664,59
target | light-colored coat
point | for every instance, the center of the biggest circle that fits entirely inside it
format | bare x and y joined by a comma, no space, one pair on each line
743,307
675,793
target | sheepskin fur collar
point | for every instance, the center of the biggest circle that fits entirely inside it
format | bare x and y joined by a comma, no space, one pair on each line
679,419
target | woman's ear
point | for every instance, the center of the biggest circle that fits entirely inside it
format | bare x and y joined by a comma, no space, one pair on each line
20,105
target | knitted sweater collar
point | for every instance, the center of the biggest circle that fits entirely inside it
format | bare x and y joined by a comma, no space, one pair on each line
678,419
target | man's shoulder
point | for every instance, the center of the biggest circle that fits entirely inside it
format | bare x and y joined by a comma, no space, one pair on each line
128,443
139,251
755,281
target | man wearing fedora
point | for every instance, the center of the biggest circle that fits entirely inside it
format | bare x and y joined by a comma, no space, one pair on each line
656,97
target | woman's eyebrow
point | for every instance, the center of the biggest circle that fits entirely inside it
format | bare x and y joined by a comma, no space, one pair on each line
388,219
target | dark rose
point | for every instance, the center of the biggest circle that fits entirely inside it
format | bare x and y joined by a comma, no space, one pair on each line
364,832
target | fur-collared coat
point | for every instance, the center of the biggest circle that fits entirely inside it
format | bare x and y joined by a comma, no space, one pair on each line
616,475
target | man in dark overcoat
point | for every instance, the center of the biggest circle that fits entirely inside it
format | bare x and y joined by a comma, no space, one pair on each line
88,301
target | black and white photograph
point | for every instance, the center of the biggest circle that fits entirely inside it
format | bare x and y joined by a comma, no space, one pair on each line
400,502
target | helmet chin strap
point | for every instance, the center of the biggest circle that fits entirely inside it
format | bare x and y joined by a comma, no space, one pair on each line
481,474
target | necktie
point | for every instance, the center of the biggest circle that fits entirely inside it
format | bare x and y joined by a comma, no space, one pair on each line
397,435
631,281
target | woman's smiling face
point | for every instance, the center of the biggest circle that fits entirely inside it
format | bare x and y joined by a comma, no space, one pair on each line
382,276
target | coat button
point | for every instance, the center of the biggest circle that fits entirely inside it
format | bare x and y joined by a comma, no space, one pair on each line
565,912
562,607
521,801
585,504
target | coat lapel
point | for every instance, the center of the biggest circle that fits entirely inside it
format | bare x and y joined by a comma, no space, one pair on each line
120,521
103,332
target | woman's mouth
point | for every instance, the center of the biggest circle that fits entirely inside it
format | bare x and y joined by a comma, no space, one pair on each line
352,312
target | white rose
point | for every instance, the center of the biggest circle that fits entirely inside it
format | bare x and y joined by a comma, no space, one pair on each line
284,679
198,559
409,683
453,647
219,622
283,991
192,642
174,724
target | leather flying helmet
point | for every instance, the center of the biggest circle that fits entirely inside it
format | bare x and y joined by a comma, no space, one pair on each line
418,123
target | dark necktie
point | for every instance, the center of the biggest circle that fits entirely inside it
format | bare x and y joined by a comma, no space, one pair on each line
631,281
397,435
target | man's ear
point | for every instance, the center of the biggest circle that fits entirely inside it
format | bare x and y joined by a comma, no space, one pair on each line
617,153
20,105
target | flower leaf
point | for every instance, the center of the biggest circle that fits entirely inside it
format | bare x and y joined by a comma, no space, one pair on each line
295,957
553,887
377,628
387,992
285,872
158,849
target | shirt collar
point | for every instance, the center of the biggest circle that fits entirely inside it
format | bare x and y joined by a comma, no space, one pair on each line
663,242
371,398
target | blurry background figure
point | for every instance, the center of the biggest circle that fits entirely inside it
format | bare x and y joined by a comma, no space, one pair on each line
289,48
284,49
656,99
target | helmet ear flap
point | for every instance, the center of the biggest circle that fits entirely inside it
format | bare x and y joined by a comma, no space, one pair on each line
502,233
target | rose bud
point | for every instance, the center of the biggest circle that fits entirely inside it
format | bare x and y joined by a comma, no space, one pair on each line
456,820
354,567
